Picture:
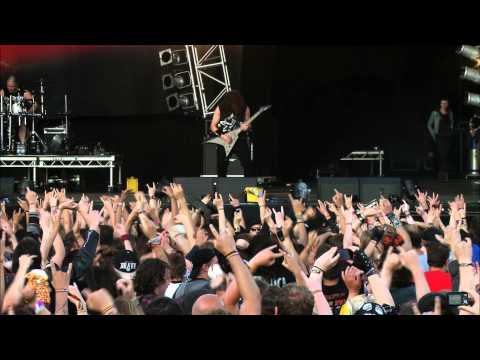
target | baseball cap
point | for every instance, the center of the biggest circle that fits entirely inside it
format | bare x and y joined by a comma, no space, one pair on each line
125,263
199,256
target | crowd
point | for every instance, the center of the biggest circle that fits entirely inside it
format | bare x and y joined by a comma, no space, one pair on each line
145,254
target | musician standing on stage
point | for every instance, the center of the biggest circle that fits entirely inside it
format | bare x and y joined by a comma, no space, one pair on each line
440,126
231,114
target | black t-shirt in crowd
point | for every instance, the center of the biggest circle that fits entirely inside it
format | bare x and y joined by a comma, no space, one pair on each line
336,296
276,275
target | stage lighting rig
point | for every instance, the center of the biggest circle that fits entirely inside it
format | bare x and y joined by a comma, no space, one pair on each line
470,52
472,99
470,74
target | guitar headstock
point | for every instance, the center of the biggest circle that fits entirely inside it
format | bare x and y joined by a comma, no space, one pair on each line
264,108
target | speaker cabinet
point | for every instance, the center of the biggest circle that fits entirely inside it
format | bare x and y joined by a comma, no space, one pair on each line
194,188
7,186
372,188
234,186
327,186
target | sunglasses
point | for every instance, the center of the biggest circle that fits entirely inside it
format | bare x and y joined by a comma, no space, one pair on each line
255,229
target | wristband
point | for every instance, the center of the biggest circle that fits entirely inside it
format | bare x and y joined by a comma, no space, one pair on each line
220,209
61,290
316,291
317,270
230,253
124,237
465,264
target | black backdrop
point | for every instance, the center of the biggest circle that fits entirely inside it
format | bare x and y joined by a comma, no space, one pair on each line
327,101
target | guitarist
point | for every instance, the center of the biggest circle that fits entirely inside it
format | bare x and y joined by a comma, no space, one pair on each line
228,116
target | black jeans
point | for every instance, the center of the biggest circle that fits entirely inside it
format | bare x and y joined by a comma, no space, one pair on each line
443,145
242,150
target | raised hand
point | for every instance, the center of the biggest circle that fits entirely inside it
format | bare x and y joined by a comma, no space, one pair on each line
433,200
463,251
410,259
261,199
120,230
337,199
279,217
151,190
75,296
207,198
93,220
69,204
392,261
352,277
31,197
167,190
323,209
422,199
460,201
233,201
348,202
23,205
177,191
25,261
101,301
60,279
405,208
223,242
328,259
218,201
297,205
266,257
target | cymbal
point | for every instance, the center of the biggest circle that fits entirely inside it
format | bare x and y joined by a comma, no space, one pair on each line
64,113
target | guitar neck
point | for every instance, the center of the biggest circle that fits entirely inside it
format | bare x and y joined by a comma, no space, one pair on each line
249,121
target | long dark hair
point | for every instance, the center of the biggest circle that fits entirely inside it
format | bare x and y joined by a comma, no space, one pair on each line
233,102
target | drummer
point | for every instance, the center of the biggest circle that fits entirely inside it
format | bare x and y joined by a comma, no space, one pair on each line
11,88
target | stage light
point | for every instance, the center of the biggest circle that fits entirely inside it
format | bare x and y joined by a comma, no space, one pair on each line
179,57
172,102
472,99
183,80
470,52
187,101
167,81
165,57
470,74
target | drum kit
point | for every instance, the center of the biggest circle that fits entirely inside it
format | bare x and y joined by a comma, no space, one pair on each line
18,110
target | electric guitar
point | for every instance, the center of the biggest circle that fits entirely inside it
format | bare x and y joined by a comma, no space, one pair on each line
235,133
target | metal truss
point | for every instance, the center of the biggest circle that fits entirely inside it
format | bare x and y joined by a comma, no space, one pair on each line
65,162
212,65
76,162
18,161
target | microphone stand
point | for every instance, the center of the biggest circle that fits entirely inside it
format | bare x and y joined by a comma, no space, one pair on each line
1,125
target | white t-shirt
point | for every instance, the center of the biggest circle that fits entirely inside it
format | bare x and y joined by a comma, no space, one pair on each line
171,289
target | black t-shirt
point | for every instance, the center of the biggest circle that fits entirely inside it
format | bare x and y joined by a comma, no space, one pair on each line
276,275
444,126
336,296
228,123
